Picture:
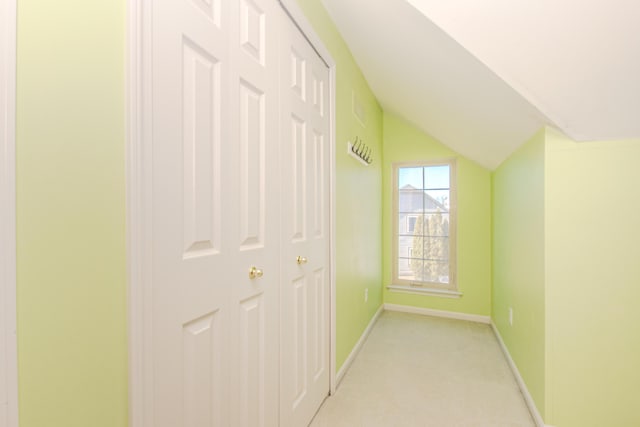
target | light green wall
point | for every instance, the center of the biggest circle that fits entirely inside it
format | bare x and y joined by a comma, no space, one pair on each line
70,214
593,282
518,260
358,199
404,142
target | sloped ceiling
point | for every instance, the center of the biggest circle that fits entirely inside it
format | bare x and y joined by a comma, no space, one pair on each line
483,76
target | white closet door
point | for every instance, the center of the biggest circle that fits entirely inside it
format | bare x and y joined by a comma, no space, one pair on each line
305,229
215,187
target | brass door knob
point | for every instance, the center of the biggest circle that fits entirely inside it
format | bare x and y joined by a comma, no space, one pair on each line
301,260
255,272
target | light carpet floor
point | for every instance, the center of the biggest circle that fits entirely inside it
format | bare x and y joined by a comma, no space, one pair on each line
420,371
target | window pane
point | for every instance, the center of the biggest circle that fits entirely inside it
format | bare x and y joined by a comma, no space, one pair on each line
411,223
405,268
436,199
436,176
410,177
408,223
410,200
436,248
417,267
436,272
435,224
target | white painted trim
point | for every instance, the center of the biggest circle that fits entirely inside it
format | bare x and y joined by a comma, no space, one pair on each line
333,381
8,337
300,20
356,349
138,189
438,313
533,409
445,293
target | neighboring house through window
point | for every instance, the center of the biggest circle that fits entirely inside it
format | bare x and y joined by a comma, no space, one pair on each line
425,223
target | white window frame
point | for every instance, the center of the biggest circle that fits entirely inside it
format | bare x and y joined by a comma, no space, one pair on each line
436,288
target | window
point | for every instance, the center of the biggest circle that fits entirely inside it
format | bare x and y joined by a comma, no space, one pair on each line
425,223
411,222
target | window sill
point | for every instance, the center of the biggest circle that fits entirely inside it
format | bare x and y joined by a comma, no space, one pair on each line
425,291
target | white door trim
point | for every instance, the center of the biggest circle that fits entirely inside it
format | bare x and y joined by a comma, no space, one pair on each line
138,210
293,10
8,345
139,190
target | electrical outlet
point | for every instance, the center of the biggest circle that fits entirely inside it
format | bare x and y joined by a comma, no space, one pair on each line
366,295
510,316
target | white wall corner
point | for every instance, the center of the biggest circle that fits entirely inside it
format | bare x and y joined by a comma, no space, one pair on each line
531,404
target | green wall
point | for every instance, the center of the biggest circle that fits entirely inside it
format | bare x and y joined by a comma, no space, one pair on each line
404,142
71,287
358,198
565,233
518,260
593,282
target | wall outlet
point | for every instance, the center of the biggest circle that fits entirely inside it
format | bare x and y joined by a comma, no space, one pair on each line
366,295
510,316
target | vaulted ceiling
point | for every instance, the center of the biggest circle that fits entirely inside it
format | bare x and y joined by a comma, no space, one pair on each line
483,76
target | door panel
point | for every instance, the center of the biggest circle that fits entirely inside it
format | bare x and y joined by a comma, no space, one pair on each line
305,252
253,214
319,333
253,369
215,181
318,178
298,178
202,392
201,151
252,167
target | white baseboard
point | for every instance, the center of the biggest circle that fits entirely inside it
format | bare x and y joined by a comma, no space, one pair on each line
537,418
356,349
438,313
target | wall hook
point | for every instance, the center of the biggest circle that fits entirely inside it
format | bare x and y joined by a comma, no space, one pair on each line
360,151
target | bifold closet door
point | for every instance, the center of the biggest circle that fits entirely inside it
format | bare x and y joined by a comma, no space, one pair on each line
215,213
305,229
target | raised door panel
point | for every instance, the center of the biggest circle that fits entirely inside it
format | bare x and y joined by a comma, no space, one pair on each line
254,386
297,164
252,166
299,336
201,151
202,367
319,344
318,185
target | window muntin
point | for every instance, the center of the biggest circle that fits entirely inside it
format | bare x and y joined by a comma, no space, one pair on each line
424,214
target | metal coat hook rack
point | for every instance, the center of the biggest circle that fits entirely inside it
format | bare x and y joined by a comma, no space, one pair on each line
360,151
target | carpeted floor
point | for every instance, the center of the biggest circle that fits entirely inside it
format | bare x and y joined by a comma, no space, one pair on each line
420,371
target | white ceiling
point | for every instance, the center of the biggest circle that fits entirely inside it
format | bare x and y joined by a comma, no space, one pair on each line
483,76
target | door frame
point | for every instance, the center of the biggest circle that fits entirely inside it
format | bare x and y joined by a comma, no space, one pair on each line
8,336
139,152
